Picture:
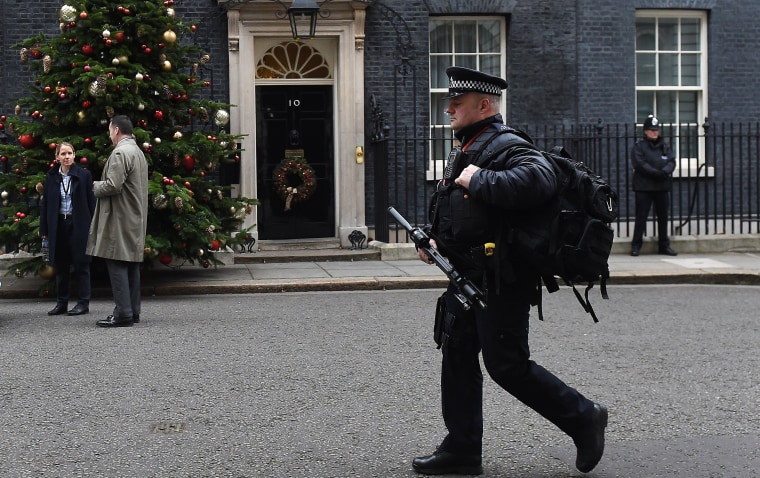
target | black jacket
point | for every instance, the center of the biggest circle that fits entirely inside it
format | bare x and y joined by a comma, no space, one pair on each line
82,204
653,164
514,183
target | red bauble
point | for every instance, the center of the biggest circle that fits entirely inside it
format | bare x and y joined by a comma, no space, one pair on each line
159,115
188,163
215,244
88,50
165,260
26,141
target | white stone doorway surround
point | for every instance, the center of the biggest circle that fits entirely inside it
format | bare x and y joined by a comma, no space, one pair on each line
253,28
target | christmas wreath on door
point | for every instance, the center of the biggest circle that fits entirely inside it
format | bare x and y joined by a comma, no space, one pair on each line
294,180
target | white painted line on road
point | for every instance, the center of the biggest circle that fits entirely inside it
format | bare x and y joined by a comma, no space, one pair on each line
698,263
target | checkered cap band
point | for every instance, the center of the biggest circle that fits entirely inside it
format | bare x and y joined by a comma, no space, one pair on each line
473,85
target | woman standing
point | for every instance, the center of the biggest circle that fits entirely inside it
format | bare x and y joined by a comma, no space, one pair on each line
66,210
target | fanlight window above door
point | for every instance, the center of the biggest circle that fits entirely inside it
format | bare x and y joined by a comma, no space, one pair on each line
292,60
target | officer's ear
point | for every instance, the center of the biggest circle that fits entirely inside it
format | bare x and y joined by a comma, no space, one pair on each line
484,103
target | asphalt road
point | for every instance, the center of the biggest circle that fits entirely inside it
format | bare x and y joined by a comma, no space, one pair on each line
336,384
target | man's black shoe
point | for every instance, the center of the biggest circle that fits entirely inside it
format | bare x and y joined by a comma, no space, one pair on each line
667,251
112,321
445,463
635,251
79,309
590,444
59,309
136,318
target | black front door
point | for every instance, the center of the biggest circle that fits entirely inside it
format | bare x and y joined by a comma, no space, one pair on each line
295,163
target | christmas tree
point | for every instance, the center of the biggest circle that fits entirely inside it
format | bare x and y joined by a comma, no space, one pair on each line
142,61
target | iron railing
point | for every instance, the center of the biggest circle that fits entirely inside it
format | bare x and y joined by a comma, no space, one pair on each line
716,187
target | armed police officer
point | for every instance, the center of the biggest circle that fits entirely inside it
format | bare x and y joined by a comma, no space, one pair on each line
496,180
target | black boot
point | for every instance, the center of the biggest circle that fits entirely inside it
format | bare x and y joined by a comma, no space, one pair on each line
445,463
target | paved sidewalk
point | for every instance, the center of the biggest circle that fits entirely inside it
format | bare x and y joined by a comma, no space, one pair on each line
407,273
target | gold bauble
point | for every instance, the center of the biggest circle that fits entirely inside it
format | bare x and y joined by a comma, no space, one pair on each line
167,66
47,272
39,187
170,36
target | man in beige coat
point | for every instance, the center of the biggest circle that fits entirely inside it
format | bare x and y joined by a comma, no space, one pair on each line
117,232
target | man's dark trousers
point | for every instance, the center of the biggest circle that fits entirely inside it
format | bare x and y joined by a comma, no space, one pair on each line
644,201
125,284
502,333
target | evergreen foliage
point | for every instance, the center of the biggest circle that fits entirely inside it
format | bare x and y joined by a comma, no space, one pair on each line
138,59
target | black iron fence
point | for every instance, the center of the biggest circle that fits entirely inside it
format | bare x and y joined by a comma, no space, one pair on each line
716,189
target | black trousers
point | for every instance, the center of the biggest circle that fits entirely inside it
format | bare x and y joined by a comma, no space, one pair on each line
644,201
501,332
63,263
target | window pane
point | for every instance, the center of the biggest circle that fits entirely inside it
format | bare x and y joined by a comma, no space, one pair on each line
465,37
440,37
645,28
668,74
438,65
437,107
644,105
687,107
690,70
666,103
646,73
467,61
690,34
667,34
489,37
491,64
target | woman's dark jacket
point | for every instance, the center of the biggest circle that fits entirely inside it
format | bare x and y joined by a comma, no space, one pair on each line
82,207
653,163
515,182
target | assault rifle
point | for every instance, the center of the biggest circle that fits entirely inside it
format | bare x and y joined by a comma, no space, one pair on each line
468,293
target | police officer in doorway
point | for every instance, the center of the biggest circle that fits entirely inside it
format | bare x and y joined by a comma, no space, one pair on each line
496,178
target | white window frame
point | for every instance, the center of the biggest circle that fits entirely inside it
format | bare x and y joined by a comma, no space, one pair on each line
437,161
685,166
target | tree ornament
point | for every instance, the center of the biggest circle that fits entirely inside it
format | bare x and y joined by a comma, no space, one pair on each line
47,62
160,201
205,58
188,163
178,203
170,12
68,13
24,53
221,118
47,272
26,141
169,36
4,195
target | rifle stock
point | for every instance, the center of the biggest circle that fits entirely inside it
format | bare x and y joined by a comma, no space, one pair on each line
468,293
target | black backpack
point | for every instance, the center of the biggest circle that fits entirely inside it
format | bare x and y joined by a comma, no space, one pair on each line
574,244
